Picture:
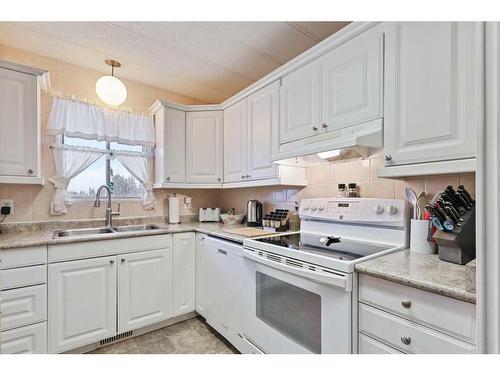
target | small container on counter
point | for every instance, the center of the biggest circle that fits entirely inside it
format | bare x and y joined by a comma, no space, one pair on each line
294,219
276,221
341,191
353,190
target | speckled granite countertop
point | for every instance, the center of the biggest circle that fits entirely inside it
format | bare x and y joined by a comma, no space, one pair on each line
425,272
42,237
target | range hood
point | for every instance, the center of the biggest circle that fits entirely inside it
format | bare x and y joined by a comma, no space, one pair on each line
359,141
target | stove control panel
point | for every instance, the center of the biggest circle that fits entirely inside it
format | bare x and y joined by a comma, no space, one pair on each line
390,212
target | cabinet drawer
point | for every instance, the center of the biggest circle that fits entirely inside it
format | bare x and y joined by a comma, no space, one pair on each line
23,306
25,340
420,340
26,256
24,276
368,345
444,313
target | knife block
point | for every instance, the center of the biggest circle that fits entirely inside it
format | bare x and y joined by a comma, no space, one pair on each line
458,246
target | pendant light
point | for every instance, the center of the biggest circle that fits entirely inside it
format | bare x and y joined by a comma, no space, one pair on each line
110,89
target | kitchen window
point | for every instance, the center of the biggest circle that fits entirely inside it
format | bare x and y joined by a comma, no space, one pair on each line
105,171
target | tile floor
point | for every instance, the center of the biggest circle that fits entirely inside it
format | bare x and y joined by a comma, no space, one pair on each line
192,336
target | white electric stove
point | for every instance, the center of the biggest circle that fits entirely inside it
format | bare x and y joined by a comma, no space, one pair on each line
300,284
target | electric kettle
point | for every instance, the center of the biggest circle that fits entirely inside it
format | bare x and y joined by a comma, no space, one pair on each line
254,213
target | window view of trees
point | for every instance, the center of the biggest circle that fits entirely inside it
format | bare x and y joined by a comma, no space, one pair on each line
122,183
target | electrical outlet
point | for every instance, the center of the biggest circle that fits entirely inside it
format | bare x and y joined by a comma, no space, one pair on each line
7,202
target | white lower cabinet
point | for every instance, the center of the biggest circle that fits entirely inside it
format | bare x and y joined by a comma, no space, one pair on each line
23,306
31,339
397,318
144,288
224,294
200,275
82,302
183,273
368,345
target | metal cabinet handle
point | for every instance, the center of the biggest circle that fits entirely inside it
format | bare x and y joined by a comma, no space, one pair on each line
324,125
223,252
218,179
123,260
111,261
388,157
243,176
406,304
30,171
315,128
168,178
248,176
406,340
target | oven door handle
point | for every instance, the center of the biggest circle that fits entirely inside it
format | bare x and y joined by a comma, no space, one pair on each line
339,281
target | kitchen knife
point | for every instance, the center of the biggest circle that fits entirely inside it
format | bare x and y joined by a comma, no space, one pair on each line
446,196
432,209
462,201
448,204
452,216
464,197
462,189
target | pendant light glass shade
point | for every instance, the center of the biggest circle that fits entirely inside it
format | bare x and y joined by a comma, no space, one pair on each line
111,90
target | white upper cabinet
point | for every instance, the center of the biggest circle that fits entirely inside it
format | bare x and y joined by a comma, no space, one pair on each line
235,142
204,147
144,288
352,81
183,276
433,92
170,151
20,124
300,103
262,130
82,302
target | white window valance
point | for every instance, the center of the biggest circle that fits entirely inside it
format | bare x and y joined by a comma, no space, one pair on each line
82,119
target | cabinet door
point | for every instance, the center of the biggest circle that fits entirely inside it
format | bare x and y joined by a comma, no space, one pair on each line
204,147
201,278
263,114
235,142
25,340
184,273
170,151
144,288
300,103
82,302
352,81
18,124
433,91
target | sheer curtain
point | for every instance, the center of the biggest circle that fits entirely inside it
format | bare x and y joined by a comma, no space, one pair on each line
69,162
139,166
82,119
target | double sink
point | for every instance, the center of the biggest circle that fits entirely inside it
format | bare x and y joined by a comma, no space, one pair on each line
104,230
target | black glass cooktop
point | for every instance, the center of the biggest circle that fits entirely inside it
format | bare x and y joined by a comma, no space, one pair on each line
338,248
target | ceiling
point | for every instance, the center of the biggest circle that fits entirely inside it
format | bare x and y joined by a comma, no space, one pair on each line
210,61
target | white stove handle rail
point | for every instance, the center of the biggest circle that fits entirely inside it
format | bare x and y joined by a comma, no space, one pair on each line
333,279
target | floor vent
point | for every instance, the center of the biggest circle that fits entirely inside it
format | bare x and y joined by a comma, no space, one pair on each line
116,338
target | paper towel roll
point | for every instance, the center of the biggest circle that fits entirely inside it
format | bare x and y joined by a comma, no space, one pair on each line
173,210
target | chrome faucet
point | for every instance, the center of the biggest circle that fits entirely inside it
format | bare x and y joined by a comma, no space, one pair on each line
109,210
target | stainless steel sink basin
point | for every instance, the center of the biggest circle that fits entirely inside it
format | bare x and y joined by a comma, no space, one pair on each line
82,232
136,228
104,230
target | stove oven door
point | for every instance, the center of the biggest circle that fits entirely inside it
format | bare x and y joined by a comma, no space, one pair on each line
291,309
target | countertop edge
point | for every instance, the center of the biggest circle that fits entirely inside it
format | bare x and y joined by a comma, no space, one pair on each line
171,230
441,290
